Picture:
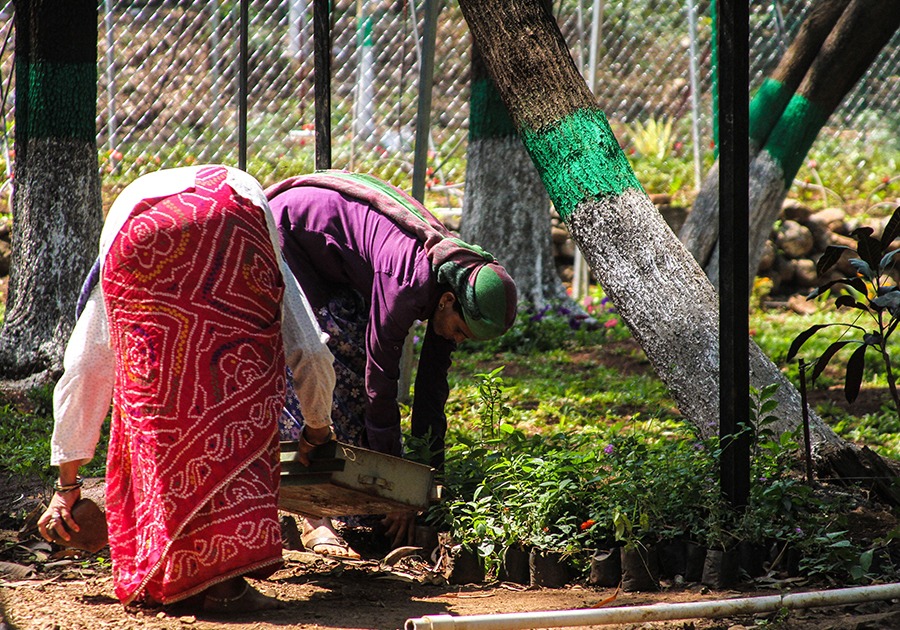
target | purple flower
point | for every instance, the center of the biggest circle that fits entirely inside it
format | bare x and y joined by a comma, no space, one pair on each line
608,449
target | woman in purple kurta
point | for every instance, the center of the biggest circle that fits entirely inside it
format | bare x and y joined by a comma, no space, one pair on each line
372,261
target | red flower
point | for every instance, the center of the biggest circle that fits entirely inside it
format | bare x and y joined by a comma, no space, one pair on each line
587,524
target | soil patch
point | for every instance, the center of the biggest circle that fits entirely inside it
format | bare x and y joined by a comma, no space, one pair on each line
45,587
327,594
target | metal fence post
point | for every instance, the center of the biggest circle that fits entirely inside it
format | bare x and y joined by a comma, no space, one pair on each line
734,216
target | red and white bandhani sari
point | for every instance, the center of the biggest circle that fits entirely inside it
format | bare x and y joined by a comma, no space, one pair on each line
193,295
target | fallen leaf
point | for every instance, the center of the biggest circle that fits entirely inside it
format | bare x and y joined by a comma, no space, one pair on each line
15,570
398,553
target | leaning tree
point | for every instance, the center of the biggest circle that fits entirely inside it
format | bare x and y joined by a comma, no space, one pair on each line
835,45
57,213
658,288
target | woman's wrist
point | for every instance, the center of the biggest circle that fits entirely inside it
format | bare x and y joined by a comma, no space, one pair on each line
65,488
318,436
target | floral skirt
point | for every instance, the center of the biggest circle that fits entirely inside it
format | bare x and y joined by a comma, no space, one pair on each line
344,318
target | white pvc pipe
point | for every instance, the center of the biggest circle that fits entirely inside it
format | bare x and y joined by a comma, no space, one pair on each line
656,612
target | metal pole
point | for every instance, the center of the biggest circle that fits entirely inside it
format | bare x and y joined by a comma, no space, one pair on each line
215,55
243,63
423,106
734,283
296,13
322,73
420,157
109,24
581,270
364,105
695,93
804,411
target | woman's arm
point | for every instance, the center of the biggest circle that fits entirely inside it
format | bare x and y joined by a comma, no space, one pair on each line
431,392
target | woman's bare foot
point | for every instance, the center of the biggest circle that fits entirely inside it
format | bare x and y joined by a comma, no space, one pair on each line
319,536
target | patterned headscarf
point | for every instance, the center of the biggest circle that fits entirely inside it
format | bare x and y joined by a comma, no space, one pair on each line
485,291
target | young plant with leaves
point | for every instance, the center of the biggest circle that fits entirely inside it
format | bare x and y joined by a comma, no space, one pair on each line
873,293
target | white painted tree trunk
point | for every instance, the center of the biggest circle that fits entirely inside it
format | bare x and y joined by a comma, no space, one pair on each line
506,210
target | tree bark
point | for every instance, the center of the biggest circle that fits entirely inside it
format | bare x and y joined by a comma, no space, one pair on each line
57,212
700,231
506,209
786,116
657,287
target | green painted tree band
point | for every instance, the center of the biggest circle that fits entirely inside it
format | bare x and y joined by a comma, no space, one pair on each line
766,108
488,117
60,101
579,158
795,133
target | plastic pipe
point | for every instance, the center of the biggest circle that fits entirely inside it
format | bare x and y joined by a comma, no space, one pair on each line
656,612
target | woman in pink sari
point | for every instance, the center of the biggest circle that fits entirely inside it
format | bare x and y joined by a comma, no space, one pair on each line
187,334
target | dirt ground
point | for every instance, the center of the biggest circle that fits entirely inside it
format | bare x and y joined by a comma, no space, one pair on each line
45,587
332,595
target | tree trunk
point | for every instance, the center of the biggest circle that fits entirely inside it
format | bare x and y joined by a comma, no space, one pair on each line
657,287
57,212
841,59
700,231
506,209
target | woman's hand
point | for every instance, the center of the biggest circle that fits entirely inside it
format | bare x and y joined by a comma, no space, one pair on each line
310,439
57,521
402,527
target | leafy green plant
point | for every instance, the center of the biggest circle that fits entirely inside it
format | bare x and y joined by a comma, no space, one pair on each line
872,292
652,139
494,407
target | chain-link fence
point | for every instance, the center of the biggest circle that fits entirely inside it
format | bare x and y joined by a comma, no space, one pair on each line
168,84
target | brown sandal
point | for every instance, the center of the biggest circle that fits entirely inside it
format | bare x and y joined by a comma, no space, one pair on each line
331,541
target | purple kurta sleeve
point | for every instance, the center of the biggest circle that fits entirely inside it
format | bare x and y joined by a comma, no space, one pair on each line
393,311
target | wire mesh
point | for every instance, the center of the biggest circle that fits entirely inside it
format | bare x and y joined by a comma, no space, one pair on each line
167,84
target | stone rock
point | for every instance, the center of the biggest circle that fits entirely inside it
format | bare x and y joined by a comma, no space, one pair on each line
784,271
767,260
795,240
822,236
793,210
566,249
833,219
805,274
558,235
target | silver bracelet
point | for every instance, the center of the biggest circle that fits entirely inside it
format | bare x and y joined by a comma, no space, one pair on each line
307,445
